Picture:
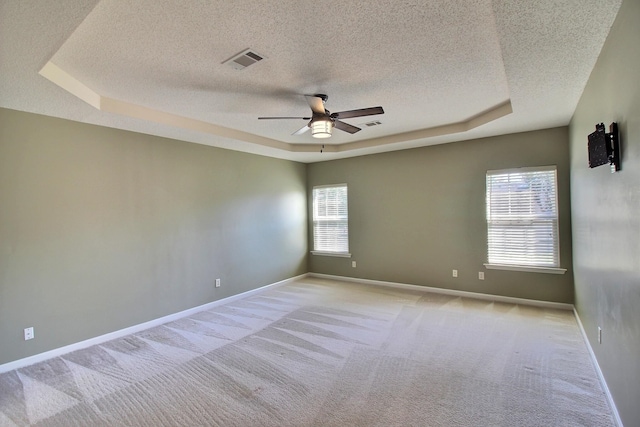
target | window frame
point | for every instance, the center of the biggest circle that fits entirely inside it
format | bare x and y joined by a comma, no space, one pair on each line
315,220
530,221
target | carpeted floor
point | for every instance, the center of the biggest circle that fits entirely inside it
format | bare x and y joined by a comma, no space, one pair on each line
324,353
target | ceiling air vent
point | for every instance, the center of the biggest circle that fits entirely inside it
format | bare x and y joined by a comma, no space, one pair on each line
244,59
373,123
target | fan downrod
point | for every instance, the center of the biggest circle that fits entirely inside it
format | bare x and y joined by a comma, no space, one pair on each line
322,96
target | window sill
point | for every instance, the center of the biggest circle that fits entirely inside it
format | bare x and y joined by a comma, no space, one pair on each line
530,269
336,254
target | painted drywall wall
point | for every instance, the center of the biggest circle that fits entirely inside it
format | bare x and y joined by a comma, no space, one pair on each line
416,215
101,229
606,214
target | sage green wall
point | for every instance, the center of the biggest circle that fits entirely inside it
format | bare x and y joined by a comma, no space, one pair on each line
415,215
606,214
101,229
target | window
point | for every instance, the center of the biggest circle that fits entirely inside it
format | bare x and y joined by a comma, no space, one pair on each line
330,220
522,219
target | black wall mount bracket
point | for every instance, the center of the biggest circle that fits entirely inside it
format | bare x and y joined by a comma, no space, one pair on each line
604,147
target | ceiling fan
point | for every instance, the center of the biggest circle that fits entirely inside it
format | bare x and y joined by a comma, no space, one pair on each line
322,121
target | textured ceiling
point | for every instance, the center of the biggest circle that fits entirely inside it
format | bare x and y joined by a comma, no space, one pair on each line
443,70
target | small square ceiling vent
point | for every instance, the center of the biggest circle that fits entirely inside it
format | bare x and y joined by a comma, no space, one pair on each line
374,123
244,59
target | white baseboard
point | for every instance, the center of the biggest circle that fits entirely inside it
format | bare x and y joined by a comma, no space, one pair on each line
21,363
603,382
453,292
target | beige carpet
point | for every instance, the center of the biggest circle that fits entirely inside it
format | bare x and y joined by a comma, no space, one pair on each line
324,353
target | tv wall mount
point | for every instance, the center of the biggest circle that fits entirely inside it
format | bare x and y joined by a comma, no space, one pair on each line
604,147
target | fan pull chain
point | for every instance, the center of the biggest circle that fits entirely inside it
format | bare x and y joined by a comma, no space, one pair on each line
322,148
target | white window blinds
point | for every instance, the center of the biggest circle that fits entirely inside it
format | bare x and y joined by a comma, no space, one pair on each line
522,217
330,219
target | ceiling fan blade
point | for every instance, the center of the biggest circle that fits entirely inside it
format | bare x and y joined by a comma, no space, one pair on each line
316,104
346,127
270,118
302,130
357,113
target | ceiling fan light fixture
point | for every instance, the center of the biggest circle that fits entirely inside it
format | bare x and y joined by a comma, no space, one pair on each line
321,128
322,121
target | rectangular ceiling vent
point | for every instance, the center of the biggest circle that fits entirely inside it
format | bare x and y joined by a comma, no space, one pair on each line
373,123
244,59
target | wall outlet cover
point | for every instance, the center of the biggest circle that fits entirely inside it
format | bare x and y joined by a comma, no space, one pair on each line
28,333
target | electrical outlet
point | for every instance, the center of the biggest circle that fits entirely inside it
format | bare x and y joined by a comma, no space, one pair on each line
455,273
353,264
599,335
217,283
28,333
481,275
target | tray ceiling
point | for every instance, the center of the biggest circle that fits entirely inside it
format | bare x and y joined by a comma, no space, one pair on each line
443,70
